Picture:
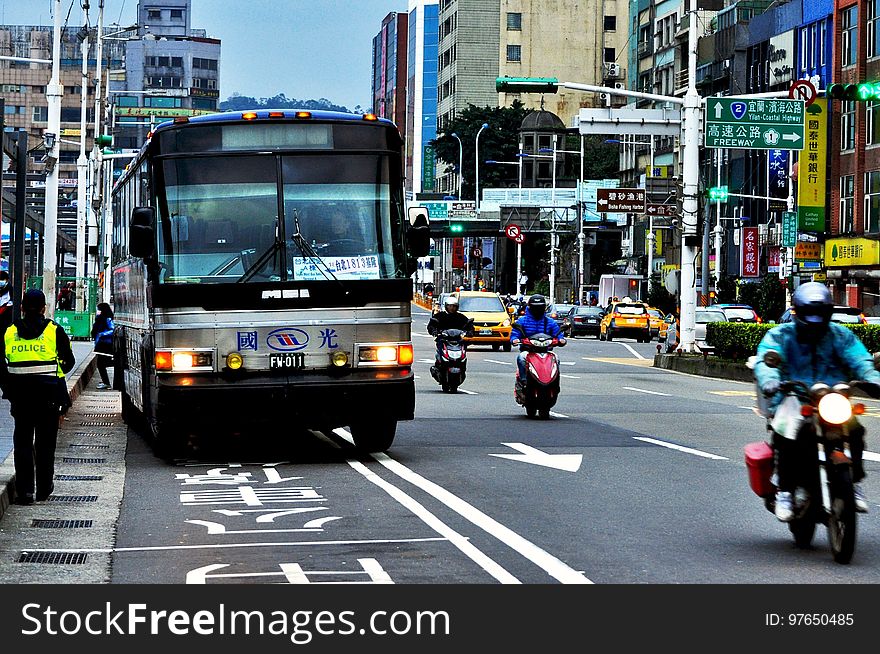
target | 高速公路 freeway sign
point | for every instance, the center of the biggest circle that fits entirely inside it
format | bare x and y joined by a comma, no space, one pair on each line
754,123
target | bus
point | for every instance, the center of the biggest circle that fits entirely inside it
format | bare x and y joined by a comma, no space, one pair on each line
238,299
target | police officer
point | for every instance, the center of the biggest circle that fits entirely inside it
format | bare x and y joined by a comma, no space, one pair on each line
36,355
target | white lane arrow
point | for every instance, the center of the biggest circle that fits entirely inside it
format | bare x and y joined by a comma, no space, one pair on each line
567,462
791,137
718,109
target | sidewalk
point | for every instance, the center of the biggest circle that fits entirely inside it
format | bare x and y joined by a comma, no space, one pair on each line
77,380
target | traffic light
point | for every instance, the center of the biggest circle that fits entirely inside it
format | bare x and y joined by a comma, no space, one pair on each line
456,228
103,140
718,194
861,92
526,84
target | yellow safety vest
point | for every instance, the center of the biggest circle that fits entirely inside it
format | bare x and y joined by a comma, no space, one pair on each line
36,356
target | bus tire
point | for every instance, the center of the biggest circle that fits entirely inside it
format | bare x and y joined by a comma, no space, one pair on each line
374,436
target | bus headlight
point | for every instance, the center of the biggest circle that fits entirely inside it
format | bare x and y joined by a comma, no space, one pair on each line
185,360
385,355
834,408
234,361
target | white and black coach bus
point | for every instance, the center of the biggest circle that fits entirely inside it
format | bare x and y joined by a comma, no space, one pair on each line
261,268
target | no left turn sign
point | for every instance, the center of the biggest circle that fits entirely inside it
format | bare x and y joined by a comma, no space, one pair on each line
512,231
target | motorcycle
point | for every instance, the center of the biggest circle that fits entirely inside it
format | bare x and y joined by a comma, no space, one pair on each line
540,390
450,367
816,418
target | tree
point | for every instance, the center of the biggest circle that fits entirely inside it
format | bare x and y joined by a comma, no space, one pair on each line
238,102
659,297
499,142
726,290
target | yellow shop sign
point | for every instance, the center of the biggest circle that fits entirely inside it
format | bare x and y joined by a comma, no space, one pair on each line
840,252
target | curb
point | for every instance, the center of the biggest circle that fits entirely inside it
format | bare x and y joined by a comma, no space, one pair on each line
704,366
76,383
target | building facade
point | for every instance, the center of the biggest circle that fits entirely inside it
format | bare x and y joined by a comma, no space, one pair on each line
390,70
421,95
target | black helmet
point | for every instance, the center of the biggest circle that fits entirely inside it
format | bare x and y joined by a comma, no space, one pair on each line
813,306
537,305
33,301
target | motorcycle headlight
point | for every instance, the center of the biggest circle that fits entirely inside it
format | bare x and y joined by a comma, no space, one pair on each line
835,409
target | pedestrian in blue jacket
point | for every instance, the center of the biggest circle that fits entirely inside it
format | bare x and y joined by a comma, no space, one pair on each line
102,332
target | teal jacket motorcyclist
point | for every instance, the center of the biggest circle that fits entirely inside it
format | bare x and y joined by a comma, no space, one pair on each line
812,350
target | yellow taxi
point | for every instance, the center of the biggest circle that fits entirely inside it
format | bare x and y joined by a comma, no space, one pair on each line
656,321
491,319
626,319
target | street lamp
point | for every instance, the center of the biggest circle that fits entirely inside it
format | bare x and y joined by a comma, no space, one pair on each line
460,162
477,167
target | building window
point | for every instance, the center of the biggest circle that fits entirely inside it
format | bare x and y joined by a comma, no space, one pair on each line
154,14
204,104
126,101
847,203
610,24
847,125
848,36
873,27
176,14
41,114
514,53
872,201
12,109
204,64
823,30
872,123
514,22
805,48
164,103
609,55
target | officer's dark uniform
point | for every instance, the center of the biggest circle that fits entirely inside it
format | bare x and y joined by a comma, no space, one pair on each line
36,355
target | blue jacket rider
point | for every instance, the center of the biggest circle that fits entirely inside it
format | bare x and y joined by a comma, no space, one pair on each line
533,322
813,350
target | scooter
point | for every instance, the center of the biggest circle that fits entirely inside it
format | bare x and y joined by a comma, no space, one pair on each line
450,367
541,388
815,419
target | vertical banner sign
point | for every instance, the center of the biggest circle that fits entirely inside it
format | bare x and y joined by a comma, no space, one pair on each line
749,254
428,168
777,179
773,259
458,253
812,167
789,229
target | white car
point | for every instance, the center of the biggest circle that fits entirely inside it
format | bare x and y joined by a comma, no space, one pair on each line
702,317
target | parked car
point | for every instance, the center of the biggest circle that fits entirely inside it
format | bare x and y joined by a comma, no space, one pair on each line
626,319
841,314
872,320
582,321
559,311
738,312
491,320
703,317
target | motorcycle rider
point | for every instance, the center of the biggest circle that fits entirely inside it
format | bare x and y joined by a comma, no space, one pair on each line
534,321
813,350
449,318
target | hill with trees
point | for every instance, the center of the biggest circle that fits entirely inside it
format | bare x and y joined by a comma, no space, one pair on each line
238,102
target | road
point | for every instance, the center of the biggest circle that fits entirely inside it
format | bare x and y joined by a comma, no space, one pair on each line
638,478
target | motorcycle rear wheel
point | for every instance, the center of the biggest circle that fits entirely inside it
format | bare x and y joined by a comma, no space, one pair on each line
544,414
842,518
531,411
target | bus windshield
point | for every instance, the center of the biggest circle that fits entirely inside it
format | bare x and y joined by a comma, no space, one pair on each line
219,219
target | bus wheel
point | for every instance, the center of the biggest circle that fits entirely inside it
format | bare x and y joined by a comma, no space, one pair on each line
375,436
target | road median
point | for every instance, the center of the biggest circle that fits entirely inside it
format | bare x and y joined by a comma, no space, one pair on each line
704,366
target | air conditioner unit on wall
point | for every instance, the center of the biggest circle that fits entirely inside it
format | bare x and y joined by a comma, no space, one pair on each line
612,70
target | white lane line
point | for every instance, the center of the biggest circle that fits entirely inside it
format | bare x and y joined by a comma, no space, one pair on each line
422,335
553,566
437,525
503,363
570,376
870,456
467,392
635,354
567,363
218,546
426,360
642,390
558,415
680,448
416,377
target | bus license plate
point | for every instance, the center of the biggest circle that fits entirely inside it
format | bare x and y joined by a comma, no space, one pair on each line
292,361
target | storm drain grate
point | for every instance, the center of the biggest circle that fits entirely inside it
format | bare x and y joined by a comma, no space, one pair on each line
85,434
62,524
73,459
89,446
70,499
54,558
99,415
90,423
79,477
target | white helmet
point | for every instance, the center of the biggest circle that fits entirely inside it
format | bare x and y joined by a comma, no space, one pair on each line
451,303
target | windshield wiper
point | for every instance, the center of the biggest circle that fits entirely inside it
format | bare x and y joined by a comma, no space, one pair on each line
309,253
263,260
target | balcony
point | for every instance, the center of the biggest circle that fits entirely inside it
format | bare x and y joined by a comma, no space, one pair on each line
645,48
681,82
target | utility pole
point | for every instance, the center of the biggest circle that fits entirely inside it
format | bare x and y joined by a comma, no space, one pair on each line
54,93
97,204
581,236
690,117
82,209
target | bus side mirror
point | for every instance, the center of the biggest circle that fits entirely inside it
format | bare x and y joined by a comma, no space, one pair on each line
141,237
418,234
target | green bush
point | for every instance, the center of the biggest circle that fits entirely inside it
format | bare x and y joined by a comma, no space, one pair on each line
739,341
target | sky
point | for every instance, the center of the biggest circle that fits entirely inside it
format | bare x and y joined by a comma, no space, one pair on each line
306,49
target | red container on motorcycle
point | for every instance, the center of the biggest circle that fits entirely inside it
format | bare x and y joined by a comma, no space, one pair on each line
759,461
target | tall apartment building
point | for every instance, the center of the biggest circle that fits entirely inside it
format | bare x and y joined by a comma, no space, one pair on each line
421,95
177,66
390,70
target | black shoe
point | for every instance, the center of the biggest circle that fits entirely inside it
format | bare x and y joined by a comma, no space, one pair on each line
25,500
42,497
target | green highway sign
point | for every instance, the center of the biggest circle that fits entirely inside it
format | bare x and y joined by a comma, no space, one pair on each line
718,194
789,229
754,123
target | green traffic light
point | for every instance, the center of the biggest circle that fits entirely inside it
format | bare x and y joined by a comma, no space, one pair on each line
456,228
